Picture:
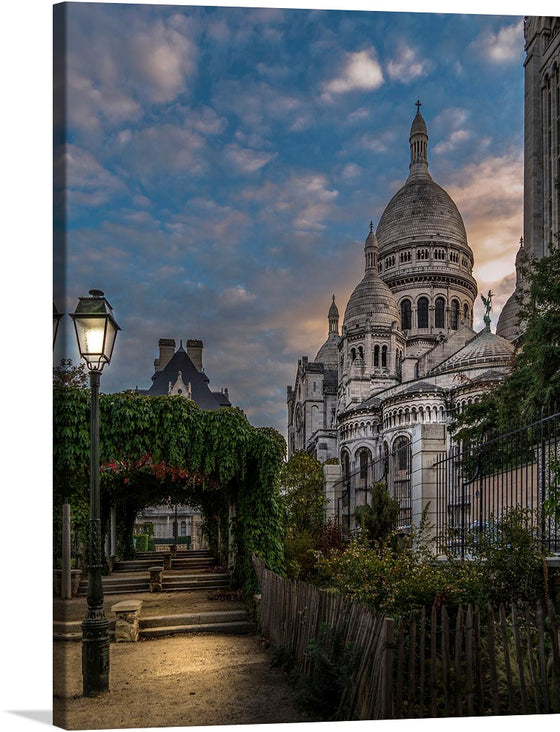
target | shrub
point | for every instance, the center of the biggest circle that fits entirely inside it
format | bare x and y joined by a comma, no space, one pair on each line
141,542
379,518
331,664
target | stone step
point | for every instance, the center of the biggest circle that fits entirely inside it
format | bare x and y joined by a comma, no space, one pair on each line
194,553
241,628
203,618
221,621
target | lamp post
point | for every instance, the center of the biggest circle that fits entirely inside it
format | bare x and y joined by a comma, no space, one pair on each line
96,330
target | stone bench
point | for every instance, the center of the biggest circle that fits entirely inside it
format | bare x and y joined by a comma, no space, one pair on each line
127,620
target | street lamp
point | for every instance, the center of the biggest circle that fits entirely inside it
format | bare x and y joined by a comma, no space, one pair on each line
57,317
96,330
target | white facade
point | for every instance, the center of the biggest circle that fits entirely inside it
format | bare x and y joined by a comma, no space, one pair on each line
408,358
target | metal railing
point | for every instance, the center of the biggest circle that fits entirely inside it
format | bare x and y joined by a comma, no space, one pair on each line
354,489
477,484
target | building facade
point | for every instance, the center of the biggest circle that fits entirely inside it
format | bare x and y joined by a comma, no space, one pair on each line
380,393
541,194
181,372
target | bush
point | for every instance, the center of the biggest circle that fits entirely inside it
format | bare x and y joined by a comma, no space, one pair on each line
379,518
510,558
141,542
331,664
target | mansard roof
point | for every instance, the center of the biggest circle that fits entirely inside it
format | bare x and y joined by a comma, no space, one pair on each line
201,393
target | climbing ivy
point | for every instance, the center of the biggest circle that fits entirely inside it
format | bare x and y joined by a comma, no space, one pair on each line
155,450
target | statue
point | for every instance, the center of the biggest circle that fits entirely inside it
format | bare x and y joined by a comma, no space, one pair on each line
488,305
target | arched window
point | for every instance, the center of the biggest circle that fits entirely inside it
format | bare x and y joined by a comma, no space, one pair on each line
466,313
364,462
353,353
401,452
440,312
384,356
361,352
183,528
345,460
454,314
376,356
423,312
406,315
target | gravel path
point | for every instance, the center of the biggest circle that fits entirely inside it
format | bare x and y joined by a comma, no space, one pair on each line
181,680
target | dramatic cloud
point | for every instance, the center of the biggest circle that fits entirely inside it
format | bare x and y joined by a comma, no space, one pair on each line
361,71
490,197
224,164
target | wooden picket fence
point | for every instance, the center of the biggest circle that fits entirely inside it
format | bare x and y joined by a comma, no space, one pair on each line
435,664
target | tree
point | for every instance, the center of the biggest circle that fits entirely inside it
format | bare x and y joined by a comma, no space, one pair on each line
534,381
304,500
378,518
65,374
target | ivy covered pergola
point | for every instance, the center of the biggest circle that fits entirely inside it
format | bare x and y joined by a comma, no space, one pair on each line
166,449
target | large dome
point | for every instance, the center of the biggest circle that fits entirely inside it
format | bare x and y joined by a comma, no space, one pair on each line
423,210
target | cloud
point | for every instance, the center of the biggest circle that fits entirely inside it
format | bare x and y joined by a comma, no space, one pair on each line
503,46
406,66
87,182
160,58
456,138
247,161
361,71
489,195
301,203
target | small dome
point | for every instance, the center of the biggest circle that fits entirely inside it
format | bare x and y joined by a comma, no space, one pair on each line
328,353
418,125
486,348
374,300
508,322
333,310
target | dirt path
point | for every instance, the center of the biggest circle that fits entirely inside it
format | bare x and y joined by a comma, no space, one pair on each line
181,680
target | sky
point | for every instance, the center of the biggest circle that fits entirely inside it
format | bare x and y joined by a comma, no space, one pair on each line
222,166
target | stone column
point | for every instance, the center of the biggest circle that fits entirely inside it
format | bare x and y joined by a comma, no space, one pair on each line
66,587
428,442
332,477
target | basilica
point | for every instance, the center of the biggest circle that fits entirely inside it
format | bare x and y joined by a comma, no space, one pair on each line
388,380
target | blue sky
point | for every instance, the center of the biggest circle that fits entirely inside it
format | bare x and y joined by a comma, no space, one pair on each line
223,165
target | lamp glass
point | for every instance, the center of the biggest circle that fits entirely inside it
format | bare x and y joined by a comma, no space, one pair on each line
91,333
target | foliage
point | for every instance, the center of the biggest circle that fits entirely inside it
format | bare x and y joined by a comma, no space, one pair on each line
552,502
165,449
510,558
505,566
393,583
141,542
535,378
304,500
378,518
68,375
331,662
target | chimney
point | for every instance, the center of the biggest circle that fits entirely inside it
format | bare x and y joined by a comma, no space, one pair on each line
166,353
194,352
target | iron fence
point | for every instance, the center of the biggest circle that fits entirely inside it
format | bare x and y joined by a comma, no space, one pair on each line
354,490
476,484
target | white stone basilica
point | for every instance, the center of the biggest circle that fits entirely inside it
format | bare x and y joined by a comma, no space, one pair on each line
382,389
